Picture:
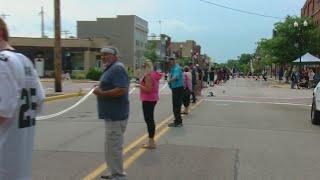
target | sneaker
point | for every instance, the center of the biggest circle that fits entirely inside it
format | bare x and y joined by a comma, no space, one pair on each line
175,125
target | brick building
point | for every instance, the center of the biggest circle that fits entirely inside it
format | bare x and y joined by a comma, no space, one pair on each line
311,9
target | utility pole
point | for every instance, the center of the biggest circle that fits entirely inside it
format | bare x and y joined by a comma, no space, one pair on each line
57,46
42,22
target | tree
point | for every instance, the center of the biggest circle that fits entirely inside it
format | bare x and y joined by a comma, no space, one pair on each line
184,61
282,47
232,63
245,58
151,52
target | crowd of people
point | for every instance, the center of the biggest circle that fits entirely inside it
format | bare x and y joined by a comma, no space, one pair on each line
305,78
22,97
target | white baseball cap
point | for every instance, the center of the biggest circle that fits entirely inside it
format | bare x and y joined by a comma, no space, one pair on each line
109,50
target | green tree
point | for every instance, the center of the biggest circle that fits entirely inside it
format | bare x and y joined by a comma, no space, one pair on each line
151,52
245,58
282,47
184,61
232,63
244,68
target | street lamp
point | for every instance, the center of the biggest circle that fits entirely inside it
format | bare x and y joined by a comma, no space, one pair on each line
299,41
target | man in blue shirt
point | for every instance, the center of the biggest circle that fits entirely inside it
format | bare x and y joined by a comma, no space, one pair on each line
113,107
176,85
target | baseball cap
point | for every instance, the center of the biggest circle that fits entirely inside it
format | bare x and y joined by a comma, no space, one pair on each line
109,50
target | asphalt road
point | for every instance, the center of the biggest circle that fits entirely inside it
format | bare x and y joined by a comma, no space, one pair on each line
248,130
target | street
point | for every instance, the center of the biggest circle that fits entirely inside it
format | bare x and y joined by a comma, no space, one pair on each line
249,130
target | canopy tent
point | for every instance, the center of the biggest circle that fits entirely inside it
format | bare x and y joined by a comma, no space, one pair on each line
307,58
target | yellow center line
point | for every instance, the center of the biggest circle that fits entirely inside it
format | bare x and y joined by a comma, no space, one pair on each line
104,166
137,154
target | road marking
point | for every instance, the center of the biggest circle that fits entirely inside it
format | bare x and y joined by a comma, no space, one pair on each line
264,97
94,174
138,153
103,167
222,104
257,102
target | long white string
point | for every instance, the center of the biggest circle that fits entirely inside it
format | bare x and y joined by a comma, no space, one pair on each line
78,103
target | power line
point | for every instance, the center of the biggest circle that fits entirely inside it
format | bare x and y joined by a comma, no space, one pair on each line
241,11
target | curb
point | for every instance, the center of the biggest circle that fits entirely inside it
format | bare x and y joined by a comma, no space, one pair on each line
41,80
277,86
65,96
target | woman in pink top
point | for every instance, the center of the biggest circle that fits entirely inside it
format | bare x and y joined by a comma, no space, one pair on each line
187,81
149,95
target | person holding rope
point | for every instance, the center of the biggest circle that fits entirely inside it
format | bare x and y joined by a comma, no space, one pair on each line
21,99
113,108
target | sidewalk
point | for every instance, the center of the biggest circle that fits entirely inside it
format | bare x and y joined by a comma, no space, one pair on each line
277,84
71,86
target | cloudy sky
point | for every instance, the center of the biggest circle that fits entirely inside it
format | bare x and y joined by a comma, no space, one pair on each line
222,33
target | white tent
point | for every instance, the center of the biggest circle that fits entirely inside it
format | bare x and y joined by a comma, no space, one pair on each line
307,58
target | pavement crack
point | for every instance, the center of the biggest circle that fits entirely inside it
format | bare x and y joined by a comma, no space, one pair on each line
236,165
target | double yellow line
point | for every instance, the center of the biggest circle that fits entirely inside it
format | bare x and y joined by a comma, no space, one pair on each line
98,171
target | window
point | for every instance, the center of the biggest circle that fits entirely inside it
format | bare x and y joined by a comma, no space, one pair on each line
77,61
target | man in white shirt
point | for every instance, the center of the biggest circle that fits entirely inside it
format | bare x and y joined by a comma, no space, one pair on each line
21,99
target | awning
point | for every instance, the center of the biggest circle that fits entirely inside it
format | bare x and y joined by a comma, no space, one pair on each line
307,58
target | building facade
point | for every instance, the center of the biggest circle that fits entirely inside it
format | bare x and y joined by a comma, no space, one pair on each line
311,9
163,50
184,49
77,54
128,33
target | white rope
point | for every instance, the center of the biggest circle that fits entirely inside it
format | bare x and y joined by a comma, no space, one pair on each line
77,104
132,90
72,107
163,87
66,110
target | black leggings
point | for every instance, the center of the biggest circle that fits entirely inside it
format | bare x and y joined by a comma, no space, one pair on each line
148,113
186,97
177,95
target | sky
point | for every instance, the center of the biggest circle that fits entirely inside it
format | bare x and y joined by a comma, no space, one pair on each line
223,34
